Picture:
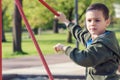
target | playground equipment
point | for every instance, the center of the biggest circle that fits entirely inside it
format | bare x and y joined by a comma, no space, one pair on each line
30,32
32,35
0,39
50,8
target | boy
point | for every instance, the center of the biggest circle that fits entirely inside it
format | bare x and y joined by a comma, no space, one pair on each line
101,56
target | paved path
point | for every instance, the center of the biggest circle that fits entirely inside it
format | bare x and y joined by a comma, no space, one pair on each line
59,64
32,61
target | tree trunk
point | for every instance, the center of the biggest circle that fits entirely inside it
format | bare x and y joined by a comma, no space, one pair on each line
55,26
35,30
69,37
3,32
17,30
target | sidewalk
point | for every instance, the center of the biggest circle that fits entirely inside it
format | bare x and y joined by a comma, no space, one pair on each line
32,61
59,64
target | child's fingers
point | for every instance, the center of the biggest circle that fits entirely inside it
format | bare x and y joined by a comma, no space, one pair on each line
58,47
55,48
58,16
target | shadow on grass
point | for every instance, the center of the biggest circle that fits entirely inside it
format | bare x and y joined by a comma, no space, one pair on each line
6,41
19,53
15,54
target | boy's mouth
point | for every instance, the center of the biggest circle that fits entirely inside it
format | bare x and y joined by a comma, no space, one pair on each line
93,29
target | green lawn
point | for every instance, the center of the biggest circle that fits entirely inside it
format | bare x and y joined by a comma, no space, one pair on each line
46,41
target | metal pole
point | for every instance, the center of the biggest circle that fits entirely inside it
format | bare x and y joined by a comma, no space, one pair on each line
34,39
49,7
0,39
76,18
76,22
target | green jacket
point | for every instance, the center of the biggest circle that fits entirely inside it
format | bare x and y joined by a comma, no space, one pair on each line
101,57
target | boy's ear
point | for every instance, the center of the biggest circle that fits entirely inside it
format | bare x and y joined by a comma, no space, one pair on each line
108,21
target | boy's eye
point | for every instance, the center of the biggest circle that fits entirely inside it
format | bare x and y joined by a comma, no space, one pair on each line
89,20
97,20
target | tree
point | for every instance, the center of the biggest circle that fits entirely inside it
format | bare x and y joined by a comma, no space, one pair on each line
17,30
3,32
55,25
70,13
66,7
5,18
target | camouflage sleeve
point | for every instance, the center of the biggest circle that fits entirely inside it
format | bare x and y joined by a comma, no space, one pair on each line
80,34
91,56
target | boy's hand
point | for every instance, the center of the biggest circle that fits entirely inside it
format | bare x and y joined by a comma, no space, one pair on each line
59,47
62,18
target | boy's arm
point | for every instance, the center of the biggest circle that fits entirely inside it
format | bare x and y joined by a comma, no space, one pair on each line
79,34
91,56
88,57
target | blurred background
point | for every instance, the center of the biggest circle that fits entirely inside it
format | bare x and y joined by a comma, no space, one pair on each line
16,41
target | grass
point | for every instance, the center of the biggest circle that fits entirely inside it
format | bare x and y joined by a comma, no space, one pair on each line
46,41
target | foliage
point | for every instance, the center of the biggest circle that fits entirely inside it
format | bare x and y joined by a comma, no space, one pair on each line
36,13
7,8
39,16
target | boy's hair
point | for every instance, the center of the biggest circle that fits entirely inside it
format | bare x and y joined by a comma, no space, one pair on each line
99,6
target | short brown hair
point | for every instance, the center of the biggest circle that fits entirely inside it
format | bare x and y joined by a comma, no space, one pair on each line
99,6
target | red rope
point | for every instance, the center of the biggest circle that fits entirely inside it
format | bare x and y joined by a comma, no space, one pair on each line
0,39
33,38
50,8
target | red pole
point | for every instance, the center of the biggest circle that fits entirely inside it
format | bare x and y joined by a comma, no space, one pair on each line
33,38
50,8
0,39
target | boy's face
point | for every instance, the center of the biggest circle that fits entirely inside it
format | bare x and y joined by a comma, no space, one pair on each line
96,23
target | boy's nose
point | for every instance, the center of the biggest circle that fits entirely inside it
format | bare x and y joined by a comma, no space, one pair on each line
92,22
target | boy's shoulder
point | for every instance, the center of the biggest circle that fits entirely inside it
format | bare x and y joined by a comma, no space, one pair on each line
110,41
